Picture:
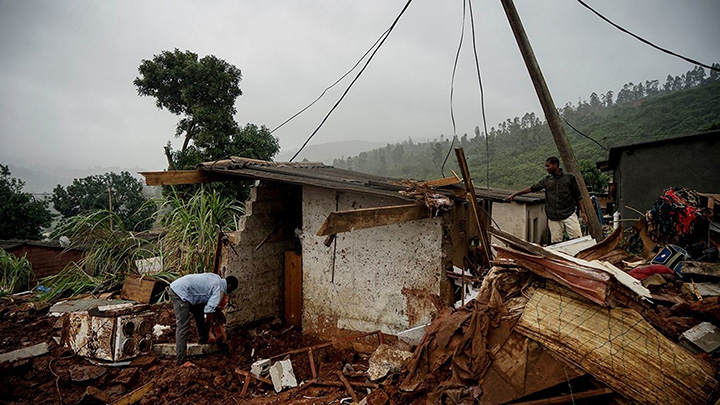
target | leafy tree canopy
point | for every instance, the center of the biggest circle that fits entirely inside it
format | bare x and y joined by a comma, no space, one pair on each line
203,92
122,192
21,215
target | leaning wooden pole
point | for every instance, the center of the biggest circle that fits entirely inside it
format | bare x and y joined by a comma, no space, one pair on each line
552,116
482,228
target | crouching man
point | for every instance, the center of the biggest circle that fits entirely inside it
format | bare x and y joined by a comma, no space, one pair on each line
199,295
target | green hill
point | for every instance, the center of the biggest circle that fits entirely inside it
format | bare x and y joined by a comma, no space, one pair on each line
518,147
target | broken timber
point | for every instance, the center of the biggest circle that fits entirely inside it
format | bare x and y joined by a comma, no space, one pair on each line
364,218
482,230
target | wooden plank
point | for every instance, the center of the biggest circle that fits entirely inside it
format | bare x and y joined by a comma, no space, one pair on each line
481,219
293,288
135,396
138,289
447,181
364,218
174,177
619,348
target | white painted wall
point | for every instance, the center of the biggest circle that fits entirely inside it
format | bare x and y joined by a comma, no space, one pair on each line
379,278
517,219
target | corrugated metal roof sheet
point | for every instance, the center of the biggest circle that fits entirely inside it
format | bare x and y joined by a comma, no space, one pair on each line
321,175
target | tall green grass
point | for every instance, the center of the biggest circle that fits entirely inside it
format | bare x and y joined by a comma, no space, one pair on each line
15,273
190,228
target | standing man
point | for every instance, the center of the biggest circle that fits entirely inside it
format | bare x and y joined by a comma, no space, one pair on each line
199,294
561,200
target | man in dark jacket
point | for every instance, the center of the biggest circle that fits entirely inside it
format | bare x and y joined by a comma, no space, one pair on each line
561,200
199,295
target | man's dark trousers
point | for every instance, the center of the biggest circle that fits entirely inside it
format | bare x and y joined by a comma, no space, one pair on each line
182,310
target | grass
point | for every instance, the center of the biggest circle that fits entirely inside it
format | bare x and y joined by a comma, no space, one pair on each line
15,273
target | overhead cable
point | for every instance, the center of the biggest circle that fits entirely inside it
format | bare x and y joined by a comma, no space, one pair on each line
354,80
576,130
333,85
452,91
645,41
482,95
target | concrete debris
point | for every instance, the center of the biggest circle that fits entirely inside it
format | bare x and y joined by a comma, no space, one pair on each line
703,289
193,349
260,367
80,305
386,360
282,376
703,337
159,330
32,351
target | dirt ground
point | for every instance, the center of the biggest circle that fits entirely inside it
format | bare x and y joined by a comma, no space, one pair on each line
63,377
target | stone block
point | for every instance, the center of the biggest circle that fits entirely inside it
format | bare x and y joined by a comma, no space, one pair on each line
704,336
193,349
282,376
387,360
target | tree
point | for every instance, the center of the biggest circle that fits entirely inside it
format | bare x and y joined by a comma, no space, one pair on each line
203,93
21,215
120,193
595,180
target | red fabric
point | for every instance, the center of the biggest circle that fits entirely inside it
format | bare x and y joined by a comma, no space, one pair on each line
641,273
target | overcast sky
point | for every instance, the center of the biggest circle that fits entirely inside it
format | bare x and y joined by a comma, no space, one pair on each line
67,66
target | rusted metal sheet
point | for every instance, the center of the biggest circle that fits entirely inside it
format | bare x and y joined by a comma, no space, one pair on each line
590,283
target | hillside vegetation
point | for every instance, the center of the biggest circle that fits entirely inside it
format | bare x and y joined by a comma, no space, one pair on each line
518,147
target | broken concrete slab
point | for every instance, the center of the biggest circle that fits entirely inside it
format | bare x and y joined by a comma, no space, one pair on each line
282,376
260,367
81,305
386,360
80,373
704,337
32,351
193,349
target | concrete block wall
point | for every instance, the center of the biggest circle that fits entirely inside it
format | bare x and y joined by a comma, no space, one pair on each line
386,278
261,273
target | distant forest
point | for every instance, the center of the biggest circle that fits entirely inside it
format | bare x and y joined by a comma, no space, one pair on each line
517,147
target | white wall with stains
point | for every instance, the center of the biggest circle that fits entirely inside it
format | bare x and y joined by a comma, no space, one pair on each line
383,278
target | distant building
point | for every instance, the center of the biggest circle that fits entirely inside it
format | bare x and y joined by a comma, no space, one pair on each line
641,171
47,257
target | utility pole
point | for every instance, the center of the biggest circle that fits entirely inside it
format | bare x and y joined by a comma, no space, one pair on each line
552,116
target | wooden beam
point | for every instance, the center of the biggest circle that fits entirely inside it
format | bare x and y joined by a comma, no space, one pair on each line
447,181
460,154
135,396
345,221
174,177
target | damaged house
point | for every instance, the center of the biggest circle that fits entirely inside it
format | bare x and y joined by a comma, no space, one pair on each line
296,258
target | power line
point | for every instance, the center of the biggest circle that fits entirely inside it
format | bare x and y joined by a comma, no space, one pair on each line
578,131
332,85
354,80
482,94
645,41
452,91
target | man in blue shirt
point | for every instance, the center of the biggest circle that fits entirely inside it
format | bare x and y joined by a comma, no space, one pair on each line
199,294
